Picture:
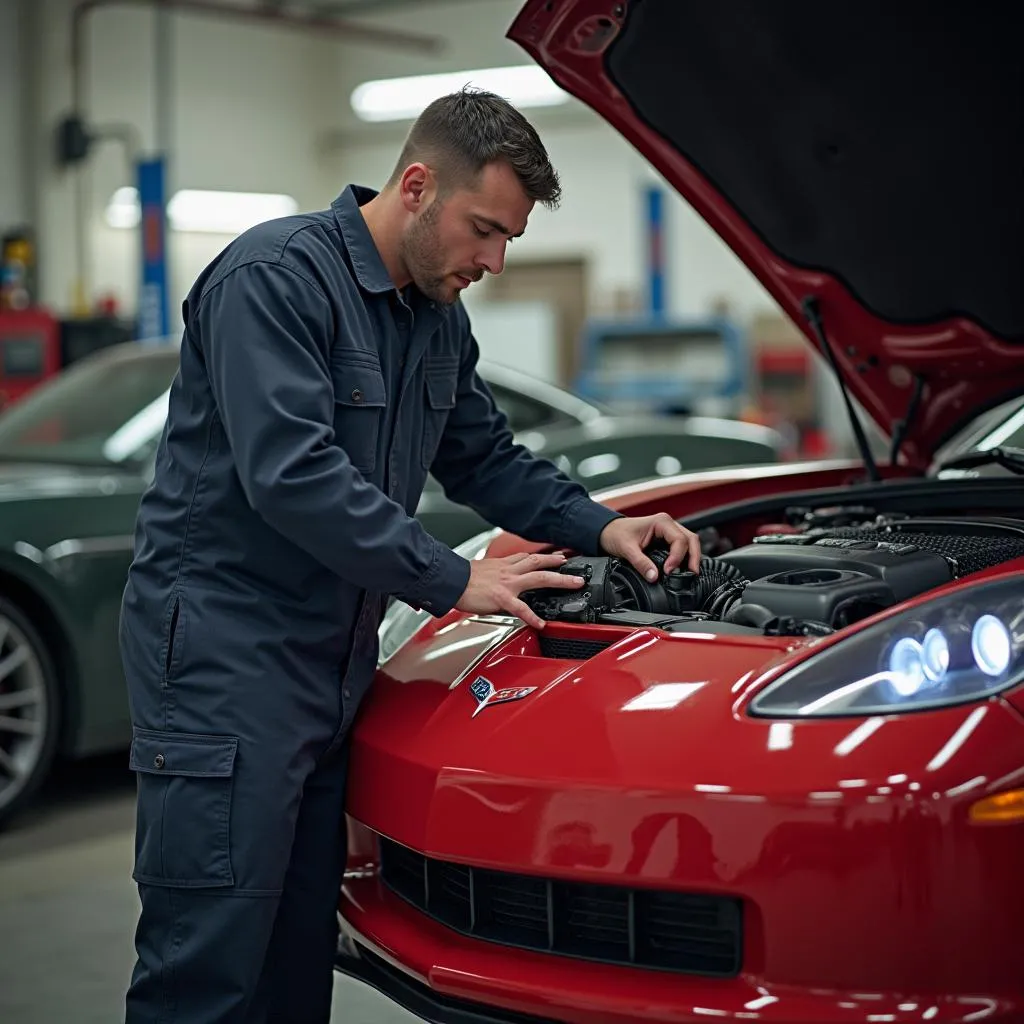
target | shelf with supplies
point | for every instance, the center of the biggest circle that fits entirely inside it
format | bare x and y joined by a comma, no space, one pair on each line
659,364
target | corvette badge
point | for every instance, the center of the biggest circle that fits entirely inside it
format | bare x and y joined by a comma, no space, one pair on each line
485,694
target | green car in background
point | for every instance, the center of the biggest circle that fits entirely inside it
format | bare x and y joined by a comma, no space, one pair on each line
75,457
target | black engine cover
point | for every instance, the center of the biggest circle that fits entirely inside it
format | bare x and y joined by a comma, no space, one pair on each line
905,569
835,597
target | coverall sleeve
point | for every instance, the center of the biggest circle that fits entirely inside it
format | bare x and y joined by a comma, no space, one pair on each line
265,334
479,465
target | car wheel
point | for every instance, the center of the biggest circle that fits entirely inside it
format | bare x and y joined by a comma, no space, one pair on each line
29,710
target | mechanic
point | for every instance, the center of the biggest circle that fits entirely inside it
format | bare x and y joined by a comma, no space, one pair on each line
326,366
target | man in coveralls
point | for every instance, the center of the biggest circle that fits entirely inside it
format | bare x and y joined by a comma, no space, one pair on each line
326,366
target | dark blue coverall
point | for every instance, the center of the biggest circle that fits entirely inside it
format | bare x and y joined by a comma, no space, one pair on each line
312,400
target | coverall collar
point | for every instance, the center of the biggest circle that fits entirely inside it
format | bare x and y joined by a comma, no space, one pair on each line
371,273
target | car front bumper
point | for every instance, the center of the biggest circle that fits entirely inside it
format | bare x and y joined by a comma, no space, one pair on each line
361,964
868,892
448,978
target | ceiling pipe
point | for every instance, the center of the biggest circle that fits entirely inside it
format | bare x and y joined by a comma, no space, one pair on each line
275,16
350,7
344,31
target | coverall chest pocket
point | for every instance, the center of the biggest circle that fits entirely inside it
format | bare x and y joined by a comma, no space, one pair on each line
359,401
441,380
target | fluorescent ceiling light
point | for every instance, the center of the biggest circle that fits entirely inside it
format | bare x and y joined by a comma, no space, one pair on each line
227,213
123,208
398,99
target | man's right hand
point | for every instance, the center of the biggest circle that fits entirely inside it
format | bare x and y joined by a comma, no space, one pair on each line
496,583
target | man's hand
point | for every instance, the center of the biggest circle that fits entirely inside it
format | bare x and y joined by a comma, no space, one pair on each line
496,583
627,537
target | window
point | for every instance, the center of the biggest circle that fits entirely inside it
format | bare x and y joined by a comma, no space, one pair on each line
525,413
1009,432
101,411
1001,425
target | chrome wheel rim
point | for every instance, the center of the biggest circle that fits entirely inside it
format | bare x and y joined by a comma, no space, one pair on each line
24,714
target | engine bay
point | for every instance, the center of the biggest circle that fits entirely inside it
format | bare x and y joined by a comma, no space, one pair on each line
812,572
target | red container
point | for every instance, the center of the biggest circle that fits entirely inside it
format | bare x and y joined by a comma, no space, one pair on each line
29,351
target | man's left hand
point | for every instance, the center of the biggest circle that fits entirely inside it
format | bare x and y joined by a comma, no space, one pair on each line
627,537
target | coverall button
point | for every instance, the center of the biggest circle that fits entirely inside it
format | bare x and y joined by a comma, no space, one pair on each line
357,395
158,761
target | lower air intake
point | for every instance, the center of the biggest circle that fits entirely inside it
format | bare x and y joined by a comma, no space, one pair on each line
681,932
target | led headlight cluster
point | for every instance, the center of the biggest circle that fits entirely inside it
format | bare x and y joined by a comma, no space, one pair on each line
962,647
986,645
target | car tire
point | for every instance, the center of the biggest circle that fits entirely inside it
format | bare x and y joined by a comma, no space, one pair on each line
29,711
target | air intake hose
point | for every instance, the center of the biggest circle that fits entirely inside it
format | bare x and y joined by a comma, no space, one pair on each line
713,590
724,584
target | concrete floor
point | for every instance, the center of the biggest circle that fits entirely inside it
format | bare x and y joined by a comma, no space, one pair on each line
68,908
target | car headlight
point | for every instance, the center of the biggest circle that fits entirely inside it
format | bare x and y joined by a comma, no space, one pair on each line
401,622
959,648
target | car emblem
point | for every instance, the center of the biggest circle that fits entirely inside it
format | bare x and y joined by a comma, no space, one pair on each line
485,694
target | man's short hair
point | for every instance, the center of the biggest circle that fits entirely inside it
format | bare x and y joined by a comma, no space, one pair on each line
460,134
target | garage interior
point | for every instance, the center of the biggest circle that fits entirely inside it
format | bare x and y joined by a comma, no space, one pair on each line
139,138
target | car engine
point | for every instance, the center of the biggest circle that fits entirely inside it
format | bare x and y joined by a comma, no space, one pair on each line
817,571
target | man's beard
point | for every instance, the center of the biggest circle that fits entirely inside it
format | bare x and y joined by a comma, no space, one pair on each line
424,258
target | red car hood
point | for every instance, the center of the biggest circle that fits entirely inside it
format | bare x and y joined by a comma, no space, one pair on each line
868,156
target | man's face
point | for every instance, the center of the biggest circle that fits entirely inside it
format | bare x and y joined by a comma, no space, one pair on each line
452,242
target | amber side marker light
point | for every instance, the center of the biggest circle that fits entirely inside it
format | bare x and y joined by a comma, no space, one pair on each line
1000,809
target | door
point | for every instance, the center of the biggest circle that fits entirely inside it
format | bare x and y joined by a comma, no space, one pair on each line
561,284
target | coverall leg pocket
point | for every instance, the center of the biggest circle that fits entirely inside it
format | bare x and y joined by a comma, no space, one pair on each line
183,828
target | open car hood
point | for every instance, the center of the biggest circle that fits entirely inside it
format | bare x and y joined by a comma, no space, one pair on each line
867,155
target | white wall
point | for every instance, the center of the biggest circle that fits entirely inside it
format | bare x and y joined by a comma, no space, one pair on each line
602,213
13,198
517,334
268,110
602,217
471,34
248,105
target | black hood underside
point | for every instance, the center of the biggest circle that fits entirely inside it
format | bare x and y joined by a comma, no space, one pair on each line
880,143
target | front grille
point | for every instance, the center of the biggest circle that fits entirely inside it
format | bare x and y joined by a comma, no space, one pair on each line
685,933
571,650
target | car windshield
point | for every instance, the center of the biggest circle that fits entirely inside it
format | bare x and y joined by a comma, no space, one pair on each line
109,409
1002,425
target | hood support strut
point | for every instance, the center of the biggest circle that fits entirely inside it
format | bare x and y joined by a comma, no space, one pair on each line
812,311
903,425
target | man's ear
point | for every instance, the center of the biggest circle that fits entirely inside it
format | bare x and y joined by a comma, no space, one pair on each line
416,186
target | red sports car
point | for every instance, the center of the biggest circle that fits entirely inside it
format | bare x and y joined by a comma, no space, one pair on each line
791,787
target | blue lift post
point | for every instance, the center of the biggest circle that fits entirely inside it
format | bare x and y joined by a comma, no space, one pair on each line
655,253
647,387
154,325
